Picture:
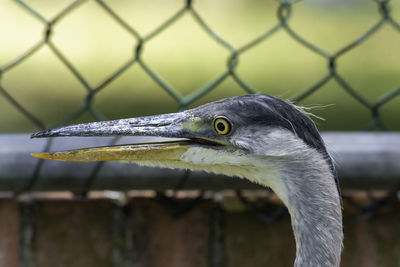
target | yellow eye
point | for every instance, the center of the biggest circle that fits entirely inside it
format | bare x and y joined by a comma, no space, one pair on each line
222,126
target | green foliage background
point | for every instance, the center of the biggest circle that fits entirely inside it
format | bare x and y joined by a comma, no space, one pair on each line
188,58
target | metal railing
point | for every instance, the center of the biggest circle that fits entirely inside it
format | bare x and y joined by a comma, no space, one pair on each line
364,161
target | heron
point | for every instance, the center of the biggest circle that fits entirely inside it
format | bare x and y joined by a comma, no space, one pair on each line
258,137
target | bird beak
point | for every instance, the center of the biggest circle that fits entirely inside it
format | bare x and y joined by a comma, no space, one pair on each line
175,125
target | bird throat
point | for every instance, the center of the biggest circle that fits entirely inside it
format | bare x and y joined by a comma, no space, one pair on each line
310,193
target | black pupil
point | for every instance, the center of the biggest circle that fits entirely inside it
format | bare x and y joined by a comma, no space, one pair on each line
221,126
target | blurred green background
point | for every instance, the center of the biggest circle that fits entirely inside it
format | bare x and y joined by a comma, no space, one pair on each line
188,58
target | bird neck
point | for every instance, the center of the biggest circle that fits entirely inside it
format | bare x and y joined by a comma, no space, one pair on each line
305,183
314,204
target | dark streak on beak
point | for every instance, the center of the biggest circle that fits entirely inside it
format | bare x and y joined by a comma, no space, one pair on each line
165,125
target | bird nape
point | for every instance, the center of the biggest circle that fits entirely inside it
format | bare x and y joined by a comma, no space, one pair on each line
258,137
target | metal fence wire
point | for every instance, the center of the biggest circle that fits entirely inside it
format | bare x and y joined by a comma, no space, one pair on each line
284,12
283,23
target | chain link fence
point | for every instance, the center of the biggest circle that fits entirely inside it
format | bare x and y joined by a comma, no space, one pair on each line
283,13
285,8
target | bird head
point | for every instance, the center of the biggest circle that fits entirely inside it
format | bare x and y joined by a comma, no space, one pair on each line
237,136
